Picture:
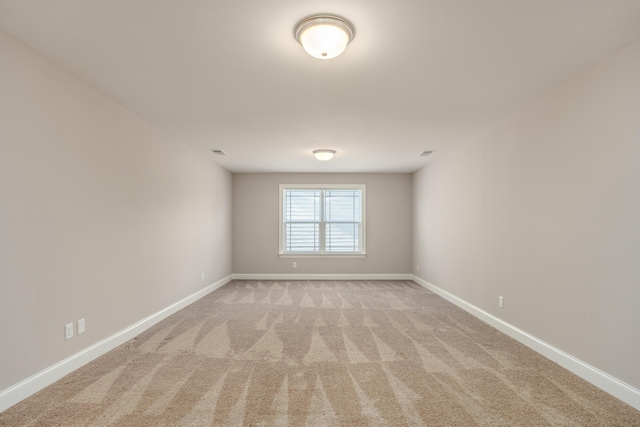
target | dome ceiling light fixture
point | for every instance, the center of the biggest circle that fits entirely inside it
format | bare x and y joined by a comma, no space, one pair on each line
324,36
323,154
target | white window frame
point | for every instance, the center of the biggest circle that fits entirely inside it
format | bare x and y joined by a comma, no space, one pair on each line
322,187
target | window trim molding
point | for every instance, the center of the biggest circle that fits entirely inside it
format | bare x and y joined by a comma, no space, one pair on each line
363,246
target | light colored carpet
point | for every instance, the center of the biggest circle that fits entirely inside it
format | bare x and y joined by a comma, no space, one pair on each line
305,353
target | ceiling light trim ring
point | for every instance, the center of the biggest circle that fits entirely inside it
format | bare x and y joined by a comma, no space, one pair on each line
324,18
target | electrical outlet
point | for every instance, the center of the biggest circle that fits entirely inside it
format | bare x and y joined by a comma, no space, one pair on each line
68,331
501,302
295,264
418,267
80,326
202,277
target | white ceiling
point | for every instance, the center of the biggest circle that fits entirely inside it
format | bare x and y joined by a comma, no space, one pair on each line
419,75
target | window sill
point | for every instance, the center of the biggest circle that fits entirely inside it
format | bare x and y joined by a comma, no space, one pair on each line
361,255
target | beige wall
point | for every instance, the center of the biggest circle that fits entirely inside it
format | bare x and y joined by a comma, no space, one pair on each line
544,210
256,216
102,216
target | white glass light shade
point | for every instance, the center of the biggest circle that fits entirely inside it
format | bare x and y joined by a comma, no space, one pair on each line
324,36
324,155
324,41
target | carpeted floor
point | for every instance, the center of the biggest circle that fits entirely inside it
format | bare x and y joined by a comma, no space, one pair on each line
360,353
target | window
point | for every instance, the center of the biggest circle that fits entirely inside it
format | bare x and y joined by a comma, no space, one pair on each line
322,220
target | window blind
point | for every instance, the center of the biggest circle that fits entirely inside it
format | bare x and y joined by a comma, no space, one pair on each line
342,216
322,220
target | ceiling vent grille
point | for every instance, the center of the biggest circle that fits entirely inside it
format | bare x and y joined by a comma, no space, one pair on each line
427,152
218,152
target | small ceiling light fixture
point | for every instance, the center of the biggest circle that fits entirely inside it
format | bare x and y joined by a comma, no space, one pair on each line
323,154
324,36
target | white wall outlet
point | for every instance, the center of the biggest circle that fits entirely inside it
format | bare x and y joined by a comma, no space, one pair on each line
295,264
501,302
80,326
202,277
68,331
417,267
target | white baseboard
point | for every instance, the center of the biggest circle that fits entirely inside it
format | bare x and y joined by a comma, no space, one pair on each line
42,379
595,376
37,382
323,276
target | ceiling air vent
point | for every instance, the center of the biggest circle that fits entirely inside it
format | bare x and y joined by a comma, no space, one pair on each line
218,152
427,152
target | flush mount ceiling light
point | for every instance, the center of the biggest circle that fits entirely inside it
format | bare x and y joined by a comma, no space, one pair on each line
324,36
324,155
